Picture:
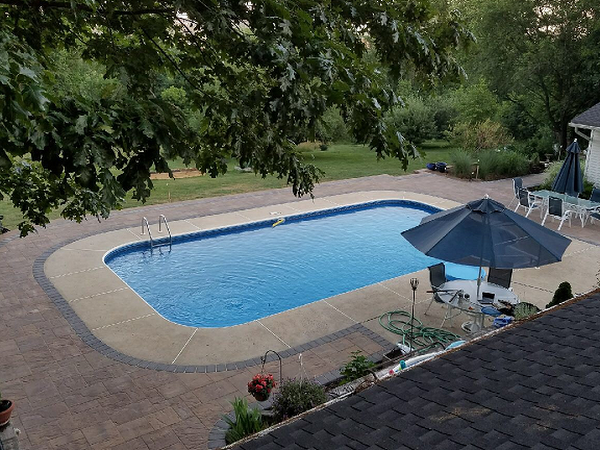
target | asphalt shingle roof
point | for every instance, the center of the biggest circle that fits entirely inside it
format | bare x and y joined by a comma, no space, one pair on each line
533,386
590,118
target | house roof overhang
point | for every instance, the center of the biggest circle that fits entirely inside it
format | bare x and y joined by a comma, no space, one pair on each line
589,119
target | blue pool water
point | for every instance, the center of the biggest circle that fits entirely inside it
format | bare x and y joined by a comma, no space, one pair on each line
240,274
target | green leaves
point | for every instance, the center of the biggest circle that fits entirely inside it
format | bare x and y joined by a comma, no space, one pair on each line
247,421
143,81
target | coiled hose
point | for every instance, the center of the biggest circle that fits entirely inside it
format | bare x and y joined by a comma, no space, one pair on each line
399,322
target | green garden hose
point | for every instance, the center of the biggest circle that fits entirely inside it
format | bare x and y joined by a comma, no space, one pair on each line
399,322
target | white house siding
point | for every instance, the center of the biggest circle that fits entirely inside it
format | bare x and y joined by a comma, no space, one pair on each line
592,162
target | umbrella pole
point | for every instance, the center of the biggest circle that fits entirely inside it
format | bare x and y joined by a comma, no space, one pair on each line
487,223
478,282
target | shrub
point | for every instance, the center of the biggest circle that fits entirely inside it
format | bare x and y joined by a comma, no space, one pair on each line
512,164
489,162
550,174
443,110
502,164
525,310
414,121
295,397
357,367
588,186
247,421
541,143
563,293
479,136
476,103
462,164
332,127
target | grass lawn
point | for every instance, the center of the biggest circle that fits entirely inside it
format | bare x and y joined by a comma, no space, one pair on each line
339,161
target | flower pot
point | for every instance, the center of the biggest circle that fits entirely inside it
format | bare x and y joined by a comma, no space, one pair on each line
6,408
260,396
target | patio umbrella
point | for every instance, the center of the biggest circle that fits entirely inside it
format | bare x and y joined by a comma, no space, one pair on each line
485,233
570,180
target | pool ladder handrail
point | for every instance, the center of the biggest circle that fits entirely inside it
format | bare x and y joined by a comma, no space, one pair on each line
162,219
145,222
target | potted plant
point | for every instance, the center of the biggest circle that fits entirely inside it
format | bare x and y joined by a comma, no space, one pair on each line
6,408
261,386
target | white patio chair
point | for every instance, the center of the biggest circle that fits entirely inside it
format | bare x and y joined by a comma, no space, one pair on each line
558,210
594,215
517,183
529,201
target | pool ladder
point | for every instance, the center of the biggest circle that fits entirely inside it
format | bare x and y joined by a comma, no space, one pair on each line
161,219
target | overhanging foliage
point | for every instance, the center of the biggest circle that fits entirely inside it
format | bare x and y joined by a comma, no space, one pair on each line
254,73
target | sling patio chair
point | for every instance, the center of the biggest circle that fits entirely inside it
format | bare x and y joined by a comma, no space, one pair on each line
558,210
517,184
437,277
501,277
529,201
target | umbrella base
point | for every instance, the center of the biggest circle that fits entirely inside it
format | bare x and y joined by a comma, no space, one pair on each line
472,326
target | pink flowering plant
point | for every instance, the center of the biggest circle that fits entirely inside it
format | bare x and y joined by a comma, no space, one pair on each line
261,384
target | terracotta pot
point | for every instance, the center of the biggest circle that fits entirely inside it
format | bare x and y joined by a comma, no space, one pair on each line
6,408
260,396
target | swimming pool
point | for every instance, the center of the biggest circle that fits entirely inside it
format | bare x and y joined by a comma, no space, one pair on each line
238,274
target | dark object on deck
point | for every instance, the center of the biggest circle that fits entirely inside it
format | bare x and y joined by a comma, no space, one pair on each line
431,166
562,294
441,167
2,229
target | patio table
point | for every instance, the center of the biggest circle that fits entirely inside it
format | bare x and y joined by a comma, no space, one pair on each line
462,295
583,207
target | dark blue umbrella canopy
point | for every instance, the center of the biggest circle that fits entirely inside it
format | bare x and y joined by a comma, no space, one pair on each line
570,179
485,233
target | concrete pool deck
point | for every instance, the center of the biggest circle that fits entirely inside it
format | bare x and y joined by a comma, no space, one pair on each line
71,395
119,318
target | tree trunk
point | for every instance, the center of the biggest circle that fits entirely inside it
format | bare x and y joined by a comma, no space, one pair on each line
564,129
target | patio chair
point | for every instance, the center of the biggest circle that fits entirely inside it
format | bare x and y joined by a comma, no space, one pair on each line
556,210
529,201
501,277
437,277
517,183
595,197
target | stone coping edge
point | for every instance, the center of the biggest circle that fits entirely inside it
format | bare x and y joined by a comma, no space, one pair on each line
88,337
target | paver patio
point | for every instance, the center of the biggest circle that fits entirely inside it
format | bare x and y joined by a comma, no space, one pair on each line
69,396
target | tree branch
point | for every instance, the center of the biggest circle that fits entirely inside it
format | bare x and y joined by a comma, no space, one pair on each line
171,60
35,4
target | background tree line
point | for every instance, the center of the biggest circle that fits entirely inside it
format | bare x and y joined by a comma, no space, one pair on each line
95,95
